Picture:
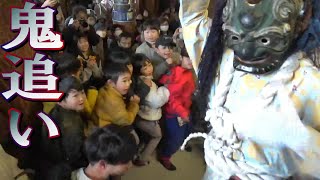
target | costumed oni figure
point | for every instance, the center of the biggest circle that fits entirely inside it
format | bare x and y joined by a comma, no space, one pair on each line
262,89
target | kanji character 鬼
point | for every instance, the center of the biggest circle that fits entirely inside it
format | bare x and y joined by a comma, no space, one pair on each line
34,21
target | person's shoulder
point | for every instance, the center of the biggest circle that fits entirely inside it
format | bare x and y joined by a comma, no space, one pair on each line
305,87
143,48
144,44
69,29
102,90
75,174
111,94
55,110
309,72
179,70
183,75
103,93
79,174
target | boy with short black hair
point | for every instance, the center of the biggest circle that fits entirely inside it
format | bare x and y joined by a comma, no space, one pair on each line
102,47
124,58
123,43
68,65
110,107
110,151
67,150
164,57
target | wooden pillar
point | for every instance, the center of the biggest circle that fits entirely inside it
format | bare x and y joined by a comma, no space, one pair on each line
128,26
211,8
152,6
28,109
64,6
138,6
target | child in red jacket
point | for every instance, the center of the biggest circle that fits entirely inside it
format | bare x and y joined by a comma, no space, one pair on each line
180,82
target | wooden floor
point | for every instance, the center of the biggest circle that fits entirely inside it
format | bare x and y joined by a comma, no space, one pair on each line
190,166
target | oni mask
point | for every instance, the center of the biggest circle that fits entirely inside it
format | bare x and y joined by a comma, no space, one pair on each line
261,32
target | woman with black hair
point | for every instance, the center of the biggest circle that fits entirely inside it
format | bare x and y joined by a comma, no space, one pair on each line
91,62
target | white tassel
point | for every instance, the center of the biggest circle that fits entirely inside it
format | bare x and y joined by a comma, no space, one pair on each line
191,136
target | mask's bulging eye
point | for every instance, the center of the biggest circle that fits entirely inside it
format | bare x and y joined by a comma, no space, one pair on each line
234,38
265,41
253,1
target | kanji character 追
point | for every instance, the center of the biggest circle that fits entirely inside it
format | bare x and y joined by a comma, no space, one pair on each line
38,76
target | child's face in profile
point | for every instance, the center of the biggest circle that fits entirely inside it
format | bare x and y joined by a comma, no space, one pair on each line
147,69
165,51
74,101
123,83
186,62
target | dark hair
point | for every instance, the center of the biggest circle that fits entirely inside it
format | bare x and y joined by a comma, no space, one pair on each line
151,24
69,83
184,52
93,16
309,39
211,56
139,60
100,27
113,144
68,64
120,57
115,26
124,35
165,41
81,35
113,70
76,9
164,19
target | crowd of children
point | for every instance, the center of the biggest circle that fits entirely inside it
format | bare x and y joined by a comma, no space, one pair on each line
126,96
